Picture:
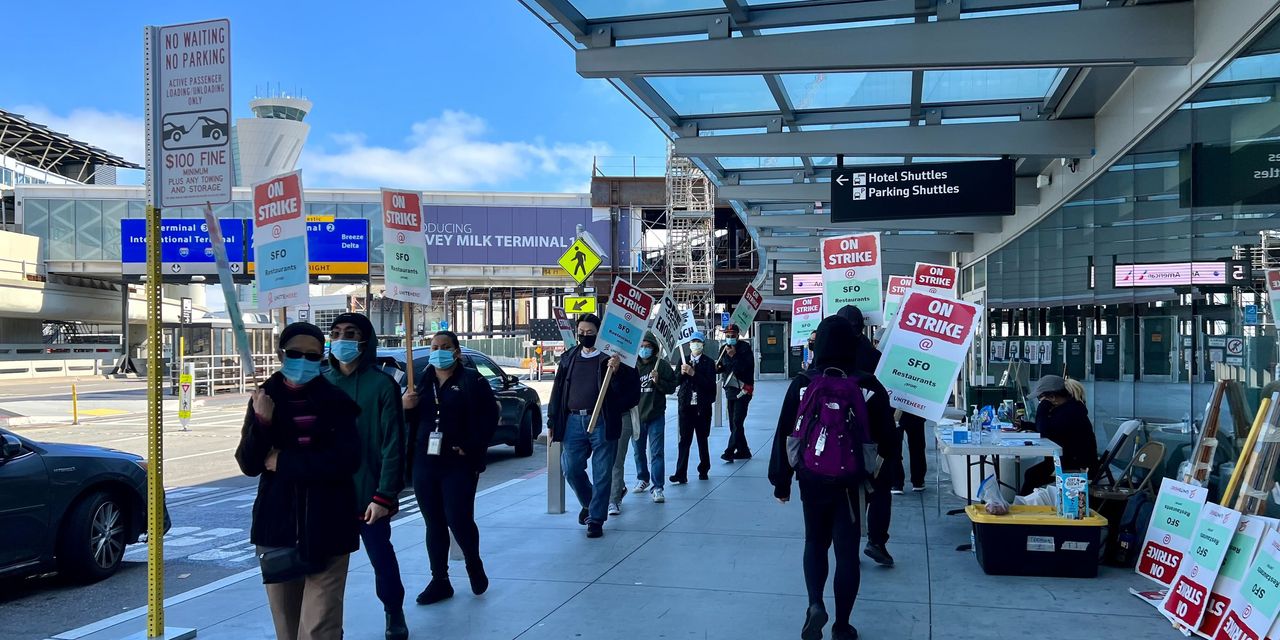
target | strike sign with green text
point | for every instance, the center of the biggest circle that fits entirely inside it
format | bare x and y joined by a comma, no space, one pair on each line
924,351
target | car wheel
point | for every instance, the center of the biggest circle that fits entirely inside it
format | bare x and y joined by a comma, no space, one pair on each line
92,543
217,134
175,136
525,435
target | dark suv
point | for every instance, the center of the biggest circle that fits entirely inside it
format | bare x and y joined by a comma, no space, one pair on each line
520,421
68,507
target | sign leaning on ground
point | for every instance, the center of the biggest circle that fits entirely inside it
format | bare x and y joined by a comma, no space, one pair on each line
938,279
189,112
851,275
1169,537
281,248
404,250
625,321
1240,554
1188,598
924,351
1252,615
938,190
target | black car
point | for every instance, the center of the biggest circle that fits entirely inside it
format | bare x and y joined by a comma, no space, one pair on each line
68,508
520,421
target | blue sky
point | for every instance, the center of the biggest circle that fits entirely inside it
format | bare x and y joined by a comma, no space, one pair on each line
433,95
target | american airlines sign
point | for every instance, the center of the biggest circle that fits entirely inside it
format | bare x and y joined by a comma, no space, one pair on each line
1175,274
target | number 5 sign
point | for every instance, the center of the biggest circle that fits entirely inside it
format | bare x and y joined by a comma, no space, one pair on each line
404,249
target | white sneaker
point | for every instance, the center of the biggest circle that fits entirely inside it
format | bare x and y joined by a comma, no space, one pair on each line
658,497
614,509
918,488
641,488
895,491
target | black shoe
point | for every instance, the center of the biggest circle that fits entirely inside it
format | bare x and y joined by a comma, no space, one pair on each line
878,553
744,455
436,591
727,456
582,517
479,581
843,632
397,628
702,475
814,620
678,480
595,530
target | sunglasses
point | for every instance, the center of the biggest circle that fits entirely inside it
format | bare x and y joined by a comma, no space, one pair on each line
294,354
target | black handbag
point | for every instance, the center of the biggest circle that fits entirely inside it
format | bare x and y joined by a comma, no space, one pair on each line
286,564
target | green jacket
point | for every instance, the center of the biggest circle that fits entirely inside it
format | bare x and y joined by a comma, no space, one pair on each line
381,426
657,381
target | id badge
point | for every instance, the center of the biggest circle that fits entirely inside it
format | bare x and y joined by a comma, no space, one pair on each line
433,443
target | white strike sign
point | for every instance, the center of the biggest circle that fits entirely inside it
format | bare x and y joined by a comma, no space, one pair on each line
851,275
924,350
669,326
806,314
1188,597
745,313
189,112
567,330
1169,534
1254,612
404,249
625,321
1226,589
280,242
898,286
938,279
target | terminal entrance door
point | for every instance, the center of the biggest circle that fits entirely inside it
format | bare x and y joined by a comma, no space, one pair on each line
771,344
1158,350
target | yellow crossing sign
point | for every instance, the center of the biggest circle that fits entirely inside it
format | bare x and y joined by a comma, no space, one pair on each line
580,261
586,304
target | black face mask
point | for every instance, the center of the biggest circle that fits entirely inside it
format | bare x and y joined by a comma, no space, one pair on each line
811,346
587,341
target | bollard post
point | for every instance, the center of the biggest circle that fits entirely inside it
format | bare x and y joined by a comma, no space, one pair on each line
75,405
555,479
719,407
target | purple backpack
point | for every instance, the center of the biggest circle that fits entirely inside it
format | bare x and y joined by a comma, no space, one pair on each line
832,437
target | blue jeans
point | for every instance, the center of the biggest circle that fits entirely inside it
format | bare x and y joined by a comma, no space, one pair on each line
386,570
655,432
578,445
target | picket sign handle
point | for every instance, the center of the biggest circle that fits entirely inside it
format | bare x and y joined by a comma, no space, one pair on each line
595,414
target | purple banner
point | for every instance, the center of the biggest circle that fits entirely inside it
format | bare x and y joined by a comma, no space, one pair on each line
535,236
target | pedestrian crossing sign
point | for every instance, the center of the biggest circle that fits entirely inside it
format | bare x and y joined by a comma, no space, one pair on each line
580,261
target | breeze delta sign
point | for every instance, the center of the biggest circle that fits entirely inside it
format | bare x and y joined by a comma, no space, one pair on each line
937,190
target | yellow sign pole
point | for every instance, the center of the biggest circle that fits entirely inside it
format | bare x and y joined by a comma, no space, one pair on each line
155,434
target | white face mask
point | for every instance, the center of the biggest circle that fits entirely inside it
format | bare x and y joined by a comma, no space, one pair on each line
695,348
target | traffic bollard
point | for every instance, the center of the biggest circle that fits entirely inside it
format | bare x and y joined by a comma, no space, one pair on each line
75,406
555,479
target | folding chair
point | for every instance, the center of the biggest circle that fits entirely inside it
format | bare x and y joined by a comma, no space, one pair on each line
1150,456
1118,442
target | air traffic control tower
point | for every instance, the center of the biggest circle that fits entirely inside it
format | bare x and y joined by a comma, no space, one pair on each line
269,143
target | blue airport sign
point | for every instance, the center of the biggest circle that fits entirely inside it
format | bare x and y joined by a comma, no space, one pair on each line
185,248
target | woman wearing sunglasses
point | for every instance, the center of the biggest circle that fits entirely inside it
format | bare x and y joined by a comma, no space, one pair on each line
300,440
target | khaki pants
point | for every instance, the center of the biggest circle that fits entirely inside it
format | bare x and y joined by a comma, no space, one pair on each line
310,608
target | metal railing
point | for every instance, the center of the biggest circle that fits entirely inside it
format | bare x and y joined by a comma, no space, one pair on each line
221,373
59,351
21,269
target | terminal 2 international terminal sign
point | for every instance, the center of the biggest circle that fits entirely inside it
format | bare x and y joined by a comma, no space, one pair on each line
934,190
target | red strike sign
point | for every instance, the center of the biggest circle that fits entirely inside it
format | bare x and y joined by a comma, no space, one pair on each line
632,299
1273,279
1160,562
936,276
402,210
753,297
858,251
277,200
898,285
1187,601
1218,607
807,305
1234,629
937,317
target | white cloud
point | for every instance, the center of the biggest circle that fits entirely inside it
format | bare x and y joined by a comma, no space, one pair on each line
451,152
118,133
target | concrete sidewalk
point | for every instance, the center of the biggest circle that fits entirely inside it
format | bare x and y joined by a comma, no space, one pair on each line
721,559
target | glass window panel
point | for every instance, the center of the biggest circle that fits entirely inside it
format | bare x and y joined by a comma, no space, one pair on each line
62,230
88,229
759,162
348,210
689,95
113,211
242,208
855,125
987,84
830,161
1258,67
1014,12
373,213
137,209
829,90
836,25
35,221
593,9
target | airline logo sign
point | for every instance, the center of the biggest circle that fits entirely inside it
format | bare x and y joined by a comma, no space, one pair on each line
851,275
936,278
404,249
280,242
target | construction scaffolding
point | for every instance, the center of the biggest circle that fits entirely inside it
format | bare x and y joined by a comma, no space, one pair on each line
690,238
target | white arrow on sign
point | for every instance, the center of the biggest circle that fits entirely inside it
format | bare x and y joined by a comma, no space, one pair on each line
840,180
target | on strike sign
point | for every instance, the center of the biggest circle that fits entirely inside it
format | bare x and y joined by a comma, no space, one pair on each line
806,314
625,321
567,330
280,242
1240,554
851,275
670,327
188,104
1254,613
404,249
938,279
898,286
745,313
925,350
1188,597
1169,534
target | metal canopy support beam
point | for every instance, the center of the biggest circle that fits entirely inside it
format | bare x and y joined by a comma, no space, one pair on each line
810,192
1158,34
896,113
1052,138
940,242
567,15
984,224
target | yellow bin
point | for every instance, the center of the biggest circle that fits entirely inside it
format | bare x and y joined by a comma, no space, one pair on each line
1034,541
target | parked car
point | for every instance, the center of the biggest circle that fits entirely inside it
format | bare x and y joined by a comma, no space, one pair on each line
68,508
520,421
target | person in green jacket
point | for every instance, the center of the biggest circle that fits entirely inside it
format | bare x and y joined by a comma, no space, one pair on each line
657,381
353,349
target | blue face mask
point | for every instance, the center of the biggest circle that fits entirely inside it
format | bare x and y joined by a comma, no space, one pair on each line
442,358
730,341
346,351
300,370
645,353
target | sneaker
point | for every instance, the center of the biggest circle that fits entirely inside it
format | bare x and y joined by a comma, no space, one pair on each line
814,620
595,530
897,491
843,632
615,509
878,553
436,591
727,456
642,487
658,496
479,579
919,488
678,480
582,517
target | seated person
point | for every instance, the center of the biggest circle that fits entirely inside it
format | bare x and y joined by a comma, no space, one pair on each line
1062,418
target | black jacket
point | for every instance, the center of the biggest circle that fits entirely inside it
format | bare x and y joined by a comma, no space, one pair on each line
883,428
622,395
742,365
1069,426
703,381
468,413
313,473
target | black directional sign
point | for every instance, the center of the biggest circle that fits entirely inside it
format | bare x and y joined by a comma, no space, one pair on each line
935,190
